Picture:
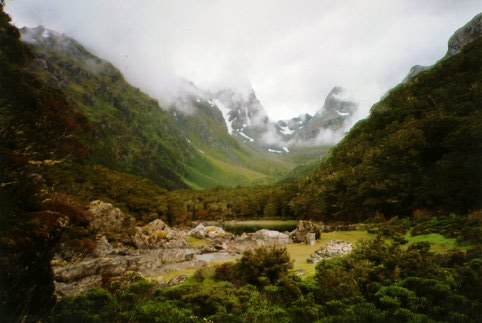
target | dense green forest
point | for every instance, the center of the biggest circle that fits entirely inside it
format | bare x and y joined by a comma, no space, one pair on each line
420,148
414,164
29,228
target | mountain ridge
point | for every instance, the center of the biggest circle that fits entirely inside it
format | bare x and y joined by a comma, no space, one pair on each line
143,138
419,149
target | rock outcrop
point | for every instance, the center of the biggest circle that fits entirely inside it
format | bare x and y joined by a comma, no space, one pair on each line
333,249
306,232
211,232
157,234
461,38
465,35
109,220
260,238
156,249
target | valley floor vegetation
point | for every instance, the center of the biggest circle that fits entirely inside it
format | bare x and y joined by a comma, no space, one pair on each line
387,278
417,156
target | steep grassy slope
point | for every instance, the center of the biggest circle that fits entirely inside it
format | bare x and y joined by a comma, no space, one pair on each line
132,133
420,148
129,132
221,159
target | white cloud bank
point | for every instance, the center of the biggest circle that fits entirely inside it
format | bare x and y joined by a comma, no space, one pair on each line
291,52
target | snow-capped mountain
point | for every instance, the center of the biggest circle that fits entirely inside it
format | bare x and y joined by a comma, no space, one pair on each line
287,129
244,116
247,119
337,109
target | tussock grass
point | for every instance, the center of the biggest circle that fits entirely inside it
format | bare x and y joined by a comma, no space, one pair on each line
438,242
299,252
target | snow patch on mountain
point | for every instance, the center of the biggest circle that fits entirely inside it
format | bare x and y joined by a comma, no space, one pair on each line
246,136
225,111
286,130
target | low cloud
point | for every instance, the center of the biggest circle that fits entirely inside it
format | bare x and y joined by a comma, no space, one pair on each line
291,53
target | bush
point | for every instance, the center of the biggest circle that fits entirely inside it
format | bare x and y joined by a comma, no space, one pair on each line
263,266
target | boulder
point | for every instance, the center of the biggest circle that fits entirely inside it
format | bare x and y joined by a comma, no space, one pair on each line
333,249
210,232
260,238
157,234
106,218
304,232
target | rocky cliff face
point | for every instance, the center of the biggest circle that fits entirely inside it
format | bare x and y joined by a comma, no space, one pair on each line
461,38
465,35
337,109
246,119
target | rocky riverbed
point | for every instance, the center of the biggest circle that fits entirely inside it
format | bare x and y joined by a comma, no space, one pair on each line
155,249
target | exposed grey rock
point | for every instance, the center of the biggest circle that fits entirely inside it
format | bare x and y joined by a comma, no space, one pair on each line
461,38
337,109
105,217
260,238
304,231
211,232
88,273
415,70
103,247
333,249
465,35
157,234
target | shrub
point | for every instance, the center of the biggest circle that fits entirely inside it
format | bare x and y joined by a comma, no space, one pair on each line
271,263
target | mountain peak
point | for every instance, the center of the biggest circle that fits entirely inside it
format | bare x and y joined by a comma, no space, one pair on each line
339,101
53,40
462,37
465,35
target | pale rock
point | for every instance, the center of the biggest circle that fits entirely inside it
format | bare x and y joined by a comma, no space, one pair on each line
333,249
211,232
260,238
157,234
465,35
103,247
106,218
304,232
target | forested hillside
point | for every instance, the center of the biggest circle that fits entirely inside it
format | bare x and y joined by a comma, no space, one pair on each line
73,131
420,148
30,225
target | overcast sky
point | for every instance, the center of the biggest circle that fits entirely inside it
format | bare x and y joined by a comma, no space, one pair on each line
291,52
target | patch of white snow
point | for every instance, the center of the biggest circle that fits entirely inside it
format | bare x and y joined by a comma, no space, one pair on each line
225,111
246,136
287,131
